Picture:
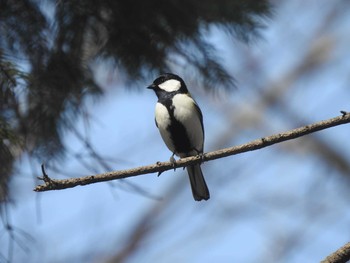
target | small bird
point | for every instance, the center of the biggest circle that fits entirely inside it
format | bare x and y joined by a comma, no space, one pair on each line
180,123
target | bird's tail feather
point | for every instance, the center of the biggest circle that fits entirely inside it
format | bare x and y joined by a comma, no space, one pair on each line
200,190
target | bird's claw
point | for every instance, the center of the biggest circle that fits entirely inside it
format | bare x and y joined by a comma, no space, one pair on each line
173,161
201,156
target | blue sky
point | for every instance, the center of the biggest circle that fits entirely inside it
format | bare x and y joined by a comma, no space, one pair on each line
286,203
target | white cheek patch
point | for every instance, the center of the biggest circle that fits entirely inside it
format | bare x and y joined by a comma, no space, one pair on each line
170,85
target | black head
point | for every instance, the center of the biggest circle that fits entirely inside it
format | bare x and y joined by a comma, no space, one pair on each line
168,83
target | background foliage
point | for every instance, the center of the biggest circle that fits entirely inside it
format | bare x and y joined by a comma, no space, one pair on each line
48,51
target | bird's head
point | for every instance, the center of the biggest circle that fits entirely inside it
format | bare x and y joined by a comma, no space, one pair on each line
168,83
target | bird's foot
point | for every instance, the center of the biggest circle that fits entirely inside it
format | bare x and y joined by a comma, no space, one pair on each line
173,161
200,154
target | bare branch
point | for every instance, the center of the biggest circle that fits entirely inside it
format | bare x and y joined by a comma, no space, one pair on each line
56,184
342,255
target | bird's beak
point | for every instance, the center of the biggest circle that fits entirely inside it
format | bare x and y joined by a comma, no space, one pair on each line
152,86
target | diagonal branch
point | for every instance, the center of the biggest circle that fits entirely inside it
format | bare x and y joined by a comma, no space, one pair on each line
159,167
342,255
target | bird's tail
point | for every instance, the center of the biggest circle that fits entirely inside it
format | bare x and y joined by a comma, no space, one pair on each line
200,190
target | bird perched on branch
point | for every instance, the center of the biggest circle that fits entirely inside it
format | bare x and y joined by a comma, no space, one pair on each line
180,123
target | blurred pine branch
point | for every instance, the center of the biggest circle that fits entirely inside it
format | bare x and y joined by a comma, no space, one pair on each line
47,50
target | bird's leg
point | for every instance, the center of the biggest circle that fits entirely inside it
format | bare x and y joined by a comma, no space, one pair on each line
173,161
200,154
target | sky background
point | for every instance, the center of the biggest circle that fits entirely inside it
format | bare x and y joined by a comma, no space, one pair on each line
284,203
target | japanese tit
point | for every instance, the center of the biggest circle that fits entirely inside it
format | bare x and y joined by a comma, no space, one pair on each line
180,123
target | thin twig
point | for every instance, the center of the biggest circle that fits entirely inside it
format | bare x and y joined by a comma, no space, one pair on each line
342,255
56,184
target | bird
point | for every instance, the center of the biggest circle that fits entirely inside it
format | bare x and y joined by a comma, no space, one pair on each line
180,123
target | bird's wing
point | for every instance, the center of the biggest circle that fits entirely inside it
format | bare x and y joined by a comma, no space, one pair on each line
200,116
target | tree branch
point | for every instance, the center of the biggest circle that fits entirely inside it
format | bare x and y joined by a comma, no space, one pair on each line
342,255
159,167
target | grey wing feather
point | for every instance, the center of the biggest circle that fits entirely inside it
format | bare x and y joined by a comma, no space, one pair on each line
200,116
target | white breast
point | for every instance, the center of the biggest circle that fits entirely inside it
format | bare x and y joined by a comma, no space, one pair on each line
163,121
186,112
